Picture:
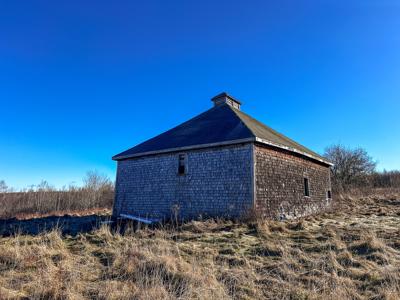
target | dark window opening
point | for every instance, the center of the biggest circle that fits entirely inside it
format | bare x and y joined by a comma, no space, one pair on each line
306,188
182,164
329,195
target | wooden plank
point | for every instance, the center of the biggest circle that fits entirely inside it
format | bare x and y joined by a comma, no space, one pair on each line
139,219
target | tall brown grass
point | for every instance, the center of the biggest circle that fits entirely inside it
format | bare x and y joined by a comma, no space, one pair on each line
351,253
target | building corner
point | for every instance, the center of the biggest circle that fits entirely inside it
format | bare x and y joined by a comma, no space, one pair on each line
253,177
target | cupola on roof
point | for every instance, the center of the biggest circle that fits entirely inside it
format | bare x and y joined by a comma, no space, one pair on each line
224,98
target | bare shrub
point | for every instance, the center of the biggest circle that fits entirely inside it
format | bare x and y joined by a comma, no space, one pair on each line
3,186
351,166
96,187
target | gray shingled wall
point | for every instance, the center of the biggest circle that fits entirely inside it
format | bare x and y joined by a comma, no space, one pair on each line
218,183
280,184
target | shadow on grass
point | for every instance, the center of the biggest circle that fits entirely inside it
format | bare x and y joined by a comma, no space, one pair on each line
68,225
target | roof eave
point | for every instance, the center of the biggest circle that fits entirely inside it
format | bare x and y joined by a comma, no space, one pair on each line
266,142
233,142
178,149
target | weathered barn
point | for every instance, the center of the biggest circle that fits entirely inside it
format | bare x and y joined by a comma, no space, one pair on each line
221,163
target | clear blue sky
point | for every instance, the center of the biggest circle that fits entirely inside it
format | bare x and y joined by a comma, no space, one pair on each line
83,80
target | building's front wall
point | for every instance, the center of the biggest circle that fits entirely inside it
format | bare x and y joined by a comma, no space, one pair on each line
279,184
218,183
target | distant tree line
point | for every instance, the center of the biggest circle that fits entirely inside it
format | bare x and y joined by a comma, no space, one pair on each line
96,192
355,168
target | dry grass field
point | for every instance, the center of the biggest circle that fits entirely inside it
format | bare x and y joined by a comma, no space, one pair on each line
352,252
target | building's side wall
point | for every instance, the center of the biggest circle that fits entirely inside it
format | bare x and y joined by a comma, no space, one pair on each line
218,183
279,184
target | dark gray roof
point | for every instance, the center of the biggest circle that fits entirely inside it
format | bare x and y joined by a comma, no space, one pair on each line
268,134
219,125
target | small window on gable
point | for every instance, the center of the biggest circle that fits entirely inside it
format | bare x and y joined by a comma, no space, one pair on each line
182,164
329,194
306,188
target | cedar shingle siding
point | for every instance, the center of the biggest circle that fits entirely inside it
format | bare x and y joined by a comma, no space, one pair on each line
233,166
280,184
217,183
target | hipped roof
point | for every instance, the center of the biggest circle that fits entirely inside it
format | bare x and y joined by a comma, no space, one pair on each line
220,125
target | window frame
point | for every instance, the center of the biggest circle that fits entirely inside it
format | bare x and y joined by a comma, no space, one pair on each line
306,186
182,157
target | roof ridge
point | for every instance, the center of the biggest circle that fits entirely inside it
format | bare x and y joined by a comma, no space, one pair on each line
236,112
